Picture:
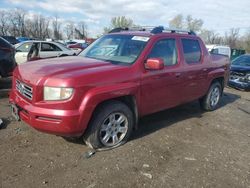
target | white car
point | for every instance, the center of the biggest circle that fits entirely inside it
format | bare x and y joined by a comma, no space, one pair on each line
219,49
33,50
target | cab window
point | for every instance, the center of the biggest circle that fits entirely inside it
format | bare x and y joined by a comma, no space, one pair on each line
48,47
192,50
166,50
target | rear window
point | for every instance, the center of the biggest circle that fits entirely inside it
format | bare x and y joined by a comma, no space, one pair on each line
192,50
4,43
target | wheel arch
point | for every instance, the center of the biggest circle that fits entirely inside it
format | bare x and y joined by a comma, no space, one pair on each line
129,100
221,80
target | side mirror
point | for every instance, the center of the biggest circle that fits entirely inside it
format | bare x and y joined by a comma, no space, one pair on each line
154,64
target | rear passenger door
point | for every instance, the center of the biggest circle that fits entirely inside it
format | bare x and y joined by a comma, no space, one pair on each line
195,73
22,51
160,89
49,50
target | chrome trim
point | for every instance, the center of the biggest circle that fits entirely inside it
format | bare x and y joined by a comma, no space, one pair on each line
24,89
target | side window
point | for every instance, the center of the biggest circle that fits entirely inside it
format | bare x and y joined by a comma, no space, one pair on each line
24,47
215,51
166,50
192,50
47,47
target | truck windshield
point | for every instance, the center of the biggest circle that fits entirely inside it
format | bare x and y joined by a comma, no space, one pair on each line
116,48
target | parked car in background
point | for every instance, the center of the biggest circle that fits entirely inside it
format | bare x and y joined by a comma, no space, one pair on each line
33,50
100,94
78,47
236,53
12,40
240,73
7,58
81,46
23,39
70,42
219,49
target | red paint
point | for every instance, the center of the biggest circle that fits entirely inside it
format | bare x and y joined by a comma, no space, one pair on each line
95,81
154,64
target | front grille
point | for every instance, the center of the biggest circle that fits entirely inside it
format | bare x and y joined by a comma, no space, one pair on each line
237,75
24,89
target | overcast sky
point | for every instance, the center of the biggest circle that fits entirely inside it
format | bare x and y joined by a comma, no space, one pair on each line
218,15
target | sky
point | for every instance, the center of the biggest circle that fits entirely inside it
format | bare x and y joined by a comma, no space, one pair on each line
218,15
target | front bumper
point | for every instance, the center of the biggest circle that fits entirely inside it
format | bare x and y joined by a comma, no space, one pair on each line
239,84
53,121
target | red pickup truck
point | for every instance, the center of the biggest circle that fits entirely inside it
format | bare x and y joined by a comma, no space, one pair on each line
124,75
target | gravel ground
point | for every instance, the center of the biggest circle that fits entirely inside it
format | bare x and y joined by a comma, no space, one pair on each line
180,147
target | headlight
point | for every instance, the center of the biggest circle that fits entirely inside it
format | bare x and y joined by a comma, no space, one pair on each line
57,93
248,77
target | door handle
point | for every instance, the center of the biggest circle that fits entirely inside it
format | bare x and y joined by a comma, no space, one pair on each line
177,75
204,70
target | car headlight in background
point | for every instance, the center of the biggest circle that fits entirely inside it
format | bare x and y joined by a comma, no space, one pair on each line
248,77
57,93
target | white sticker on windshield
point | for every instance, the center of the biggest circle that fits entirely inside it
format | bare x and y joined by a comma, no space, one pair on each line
140,38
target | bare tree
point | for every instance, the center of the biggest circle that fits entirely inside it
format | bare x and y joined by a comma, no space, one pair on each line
38,27
4,25
17,22
69,30
120,21
232,37
81,30
177,22
194,24
210,37
246,42
56,24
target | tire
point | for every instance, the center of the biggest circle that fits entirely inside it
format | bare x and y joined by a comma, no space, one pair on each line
110,126
211,100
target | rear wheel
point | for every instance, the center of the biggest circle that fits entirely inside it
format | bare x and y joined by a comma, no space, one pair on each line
211,100
110,127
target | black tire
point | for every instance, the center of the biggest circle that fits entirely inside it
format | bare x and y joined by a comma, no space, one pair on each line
96,134
211,100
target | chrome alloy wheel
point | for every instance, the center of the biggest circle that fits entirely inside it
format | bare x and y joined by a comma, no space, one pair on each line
215,96
114,128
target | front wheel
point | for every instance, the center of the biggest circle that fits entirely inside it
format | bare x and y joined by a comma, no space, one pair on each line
110,127
211,100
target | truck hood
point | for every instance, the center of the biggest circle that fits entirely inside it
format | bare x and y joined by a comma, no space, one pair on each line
238,68
64,67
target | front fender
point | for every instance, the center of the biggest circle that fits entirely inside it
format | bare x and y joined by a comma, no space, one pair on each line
97,95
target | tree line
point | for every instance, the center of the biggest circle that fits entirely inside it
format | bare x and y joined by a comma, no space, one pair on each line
18,23
231,37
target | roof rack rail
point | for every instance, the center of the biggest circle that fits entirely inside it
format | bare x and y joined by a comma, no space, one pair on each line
153,30
118,29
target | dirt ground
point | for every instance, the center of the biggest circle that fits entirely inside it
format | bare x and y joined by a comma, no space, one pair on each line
180,147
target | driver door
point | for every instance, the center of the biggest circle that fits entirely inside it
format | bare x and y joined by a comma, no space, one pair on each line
161,89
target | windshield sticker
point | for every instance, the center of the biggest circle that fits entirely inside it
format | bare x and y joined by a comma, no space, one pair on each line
140,38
